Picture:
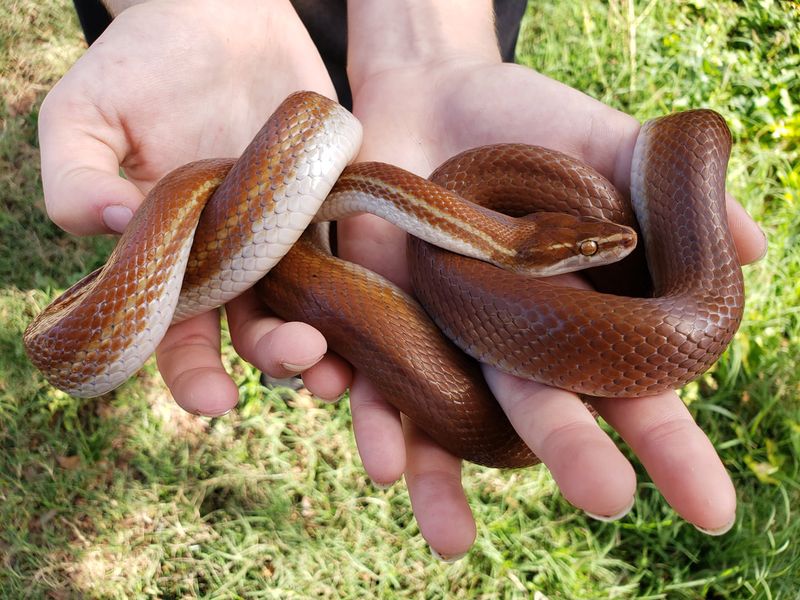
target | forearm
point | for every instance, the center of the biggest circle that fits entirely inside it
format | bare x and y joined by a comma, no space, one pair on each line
392,33
263,26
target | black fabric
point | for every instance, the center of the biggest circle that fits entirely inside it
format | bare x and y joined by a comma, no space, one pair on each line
326,22
508,19
94,18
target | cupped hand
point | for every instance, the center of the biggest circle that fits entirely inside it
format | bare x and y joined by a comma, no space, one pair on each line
167,83
416,117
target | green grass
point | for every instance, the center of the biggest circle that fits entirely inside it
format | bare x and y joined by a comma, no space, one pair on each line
126,496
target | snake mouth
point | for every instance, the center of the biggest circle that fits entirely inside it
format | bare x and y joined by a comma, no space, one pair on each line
626,240
616,246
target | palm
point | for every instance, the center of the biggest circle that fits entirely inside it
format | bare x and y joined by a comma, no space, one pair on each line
162,87
417,118
167,83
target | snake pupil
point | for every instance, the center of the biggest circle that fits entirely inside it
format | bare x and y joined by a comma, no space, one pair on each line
588,248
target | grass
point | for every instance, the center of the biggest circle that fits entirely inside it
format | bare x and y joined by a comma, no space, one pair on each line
128,497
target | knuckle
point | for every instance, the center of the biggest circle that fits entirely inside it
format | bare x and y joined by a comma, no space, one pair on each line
668,432
48,108
565,435
61,214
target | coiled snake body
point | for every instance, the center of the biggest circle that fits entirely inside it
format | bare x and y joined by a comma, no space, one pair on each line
99,332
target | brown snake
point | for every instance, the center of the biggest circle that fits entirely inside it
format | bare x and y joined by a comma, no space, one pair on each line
589,342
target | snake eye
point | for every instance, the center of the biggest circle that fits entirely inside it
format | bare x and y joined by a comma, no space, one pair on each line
588,247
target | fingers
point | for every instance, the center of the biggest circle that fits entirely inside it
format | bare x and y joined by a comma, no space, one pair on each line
84,193
329,378
389,446
189,360
750,240
678,456
592,473
433,477
284,349
378,433
277,348
589,469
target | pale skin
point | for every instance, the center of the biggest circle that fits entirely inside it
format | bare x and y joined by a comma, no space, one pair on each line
424,90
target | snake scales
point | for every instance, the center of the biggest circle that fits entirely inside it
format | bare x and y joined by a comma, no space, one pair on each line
100,331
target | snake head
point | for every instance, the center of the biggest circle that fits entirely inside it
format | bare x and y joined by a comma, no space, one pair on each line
564,243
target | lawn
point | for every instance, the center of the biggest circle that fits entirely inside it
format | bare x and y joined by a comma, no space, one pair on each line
126,496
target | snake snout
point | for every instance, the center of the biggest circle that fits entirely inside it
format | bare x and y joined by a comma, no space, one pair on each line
566,243
598,238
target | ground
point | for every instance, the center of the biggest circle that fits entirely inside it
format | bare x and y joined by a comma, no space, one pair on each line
127,496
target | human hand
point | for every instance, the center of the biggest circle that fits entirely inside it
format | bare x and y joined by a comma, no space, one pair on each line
167,83
417,114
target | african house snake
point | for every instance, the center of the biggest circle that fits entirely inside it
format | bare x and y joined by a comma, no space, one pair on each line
101,330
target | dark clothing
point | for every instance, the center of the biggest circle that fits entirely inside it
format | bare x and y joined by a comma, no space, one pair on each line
94,18
326,23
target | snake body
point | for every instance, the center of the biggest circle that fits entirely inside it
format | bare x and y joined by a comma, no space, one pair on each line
93,337
207,232
554,334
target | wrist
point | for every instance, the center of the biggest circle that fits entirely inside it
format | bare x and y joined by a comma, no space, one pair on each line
245,28
252,8
415,33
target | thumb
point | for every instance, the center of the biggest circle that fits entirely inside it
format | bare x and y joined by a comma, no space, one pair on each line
81,154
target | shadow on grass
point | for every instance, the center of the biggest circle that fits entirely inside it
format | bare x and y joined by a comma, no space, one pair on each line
106,495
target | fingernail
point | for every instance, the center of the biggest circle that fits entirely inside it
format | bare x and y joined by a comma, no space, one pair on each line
615,517
216,415
448,558
117,217
719,531
766,245
295,368
382,486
